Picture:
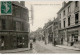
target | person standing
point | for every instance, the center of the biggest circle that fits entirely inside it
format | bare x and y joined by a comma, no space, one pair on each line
54,42
31,45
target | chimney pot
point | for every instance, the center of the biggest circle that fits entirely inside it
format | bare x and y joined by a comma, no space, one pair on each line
22,3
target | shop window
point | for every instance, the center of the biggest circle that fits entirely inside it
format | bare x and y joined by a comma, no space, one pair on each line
75,38
2,41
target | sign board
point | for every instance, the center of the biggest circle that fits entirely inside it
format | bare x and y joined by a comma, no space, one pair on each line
5,8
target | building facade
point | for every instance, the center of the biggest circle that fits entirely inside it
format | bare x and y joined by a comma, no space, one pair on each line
48,32
14,29
56,27
38,34
69,16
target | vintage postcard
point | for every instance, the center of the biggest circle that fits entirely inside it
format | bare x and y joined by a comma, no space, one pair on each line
40,26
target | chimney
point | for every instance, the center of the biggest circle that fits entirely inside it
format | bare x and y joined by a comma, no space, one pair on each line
22,3
63,4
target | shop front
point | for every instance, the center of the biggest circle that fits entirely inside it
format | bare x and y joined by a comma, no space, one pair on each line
73,37
13,40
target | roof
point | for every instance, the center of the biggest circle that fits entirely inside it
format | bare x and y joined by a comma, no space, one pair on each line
18,4
64,6
56,20
48,24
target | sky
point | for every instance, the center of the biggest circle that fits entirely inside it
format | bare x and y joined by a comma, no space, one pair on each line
43,11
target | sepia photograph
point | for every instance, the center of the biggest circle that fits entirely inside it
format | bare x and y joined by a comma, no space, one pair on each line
40,27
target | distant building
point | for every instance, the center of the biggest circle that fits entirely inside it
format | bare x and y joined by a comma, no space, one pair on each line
51,31
14,29
48,32
38,34
56,27
69,16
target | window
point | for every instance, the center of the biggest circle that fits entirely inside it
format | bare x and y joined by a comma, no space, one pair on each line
69,21
75,36
64,22
60,25
76,3
22,27
68,9
64,12
76,18
16,12
2,40
0,25
14,25
3,24
18,26
60,15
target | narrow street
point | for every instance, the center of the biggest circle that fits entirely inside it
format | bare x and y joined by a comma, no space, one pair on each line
33,27
40,47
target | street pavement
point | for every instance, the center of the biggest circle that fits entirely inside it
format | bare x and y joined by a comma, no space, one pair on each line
40,47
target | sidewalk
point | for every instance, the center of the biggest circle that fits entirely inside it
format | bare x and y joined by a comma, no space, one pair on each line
61,46
68,47
14,50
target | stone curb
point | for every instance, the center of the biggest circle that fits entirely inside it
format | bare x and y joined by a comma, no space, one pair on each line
14,51
76,49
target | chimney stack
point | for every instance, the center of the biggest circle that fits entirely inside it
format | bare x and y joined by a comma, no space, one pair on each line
63,4
22,3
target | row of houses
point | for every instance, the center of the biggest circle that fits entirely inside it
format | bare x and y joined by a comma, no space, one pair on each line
64,29
38,34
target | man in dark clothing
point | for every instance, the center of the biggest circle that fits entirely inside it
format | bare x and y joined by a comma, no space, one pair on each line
34,40
31,46
54,42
